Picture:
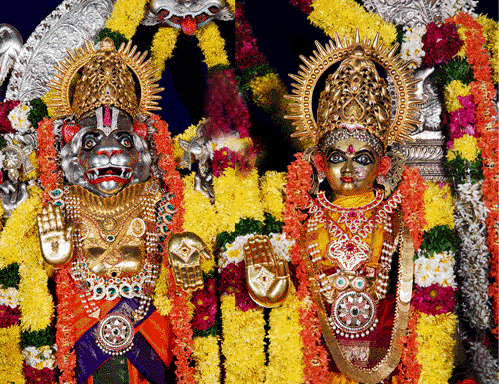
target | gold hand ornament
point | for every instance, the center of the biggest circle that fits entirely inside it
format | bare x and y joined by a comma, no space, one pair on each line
55,238
185,251
267,277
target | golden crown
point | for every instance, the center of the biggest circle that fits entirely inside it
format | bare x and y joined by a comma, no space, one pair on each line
355,96
89,78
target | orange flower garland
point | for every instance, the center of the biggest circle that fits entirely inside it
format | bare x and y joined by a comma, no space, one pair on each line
409,367
179,315
65,332
46,156
315,357
412,188
483,91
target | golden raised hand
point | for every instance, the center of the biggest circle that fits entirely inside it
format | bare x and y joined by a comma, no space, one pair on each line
55,237
185,251
267,277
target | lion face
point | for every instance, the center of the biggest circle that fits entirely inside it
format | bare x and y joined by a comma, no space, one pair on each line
106,161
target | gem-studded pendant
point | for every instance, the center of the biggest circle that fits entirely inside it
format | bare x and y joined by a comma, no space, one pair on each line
115,334
353,314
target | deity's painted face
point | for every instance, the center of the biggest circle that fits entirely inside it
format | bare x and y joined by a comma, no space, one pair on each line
103,160
351,167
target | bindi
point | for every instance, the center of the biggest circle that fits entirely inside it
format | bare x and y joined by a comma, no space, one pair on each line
350,149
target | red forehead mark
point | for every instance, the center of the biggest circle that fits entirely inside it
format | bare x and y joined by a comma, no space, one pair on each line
350,149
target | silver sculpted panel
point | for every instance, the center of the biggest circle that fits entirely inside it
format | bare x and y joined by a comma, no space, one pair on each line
66,28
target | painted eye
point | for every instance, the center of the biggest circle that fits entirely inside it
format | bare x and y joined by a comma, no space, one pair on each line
126,141
89,143
336,158
363,159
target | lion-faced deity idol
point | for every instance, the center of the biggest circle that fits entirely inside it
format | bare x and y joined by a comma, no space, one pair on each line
355,246
101,234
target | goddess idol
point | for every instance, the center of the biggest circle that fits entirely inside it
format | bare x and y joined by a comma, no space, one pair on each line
355,248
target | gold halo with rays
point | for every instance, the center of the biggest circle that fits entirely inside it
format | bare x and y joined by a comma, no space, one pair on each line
323,58
67,70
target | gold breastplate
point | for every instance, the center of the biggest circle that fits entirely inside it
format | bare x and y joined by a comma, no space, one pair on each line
115,239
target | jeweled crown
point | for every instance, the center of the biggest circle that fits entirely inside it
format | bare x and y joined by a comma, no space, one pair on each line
89,78
355,97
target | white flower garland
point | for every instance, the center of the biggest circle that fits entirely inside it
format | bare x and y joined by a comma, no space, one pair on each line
42,357
435,269
451,7
412,46
19,118
10,297
234,252
470,216
484,365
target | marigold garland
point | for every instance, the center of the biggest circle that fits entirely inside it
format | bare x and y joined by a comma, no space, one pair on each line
285,345
345,16
413,188
272,185
65,328
163,44
10,355
266,89
212,44
409,367
49,176
435,347
126,16
315,357
439,205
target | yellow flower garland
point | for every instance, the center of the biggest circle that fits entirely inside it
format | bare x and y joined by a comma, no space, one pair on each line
163,45
345,16
19,243
436,346
126,16
267,88
439,206
286,345
212,44
237,197
206,355
272,186
200,217
466,146
11,358
232,5
243,344
451,93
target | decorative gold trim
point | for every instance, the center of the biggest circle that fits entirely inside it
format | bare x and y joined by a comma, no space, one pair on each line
116,204
405,119
146,74
404,292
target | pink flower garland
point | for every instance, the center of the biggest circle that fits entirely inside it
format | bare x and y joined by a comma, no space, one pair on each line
247,53
440,43
226,109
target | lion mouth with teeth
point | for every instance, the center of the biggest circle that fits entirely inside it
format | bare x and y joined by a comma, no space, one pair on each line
106,162
122,175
